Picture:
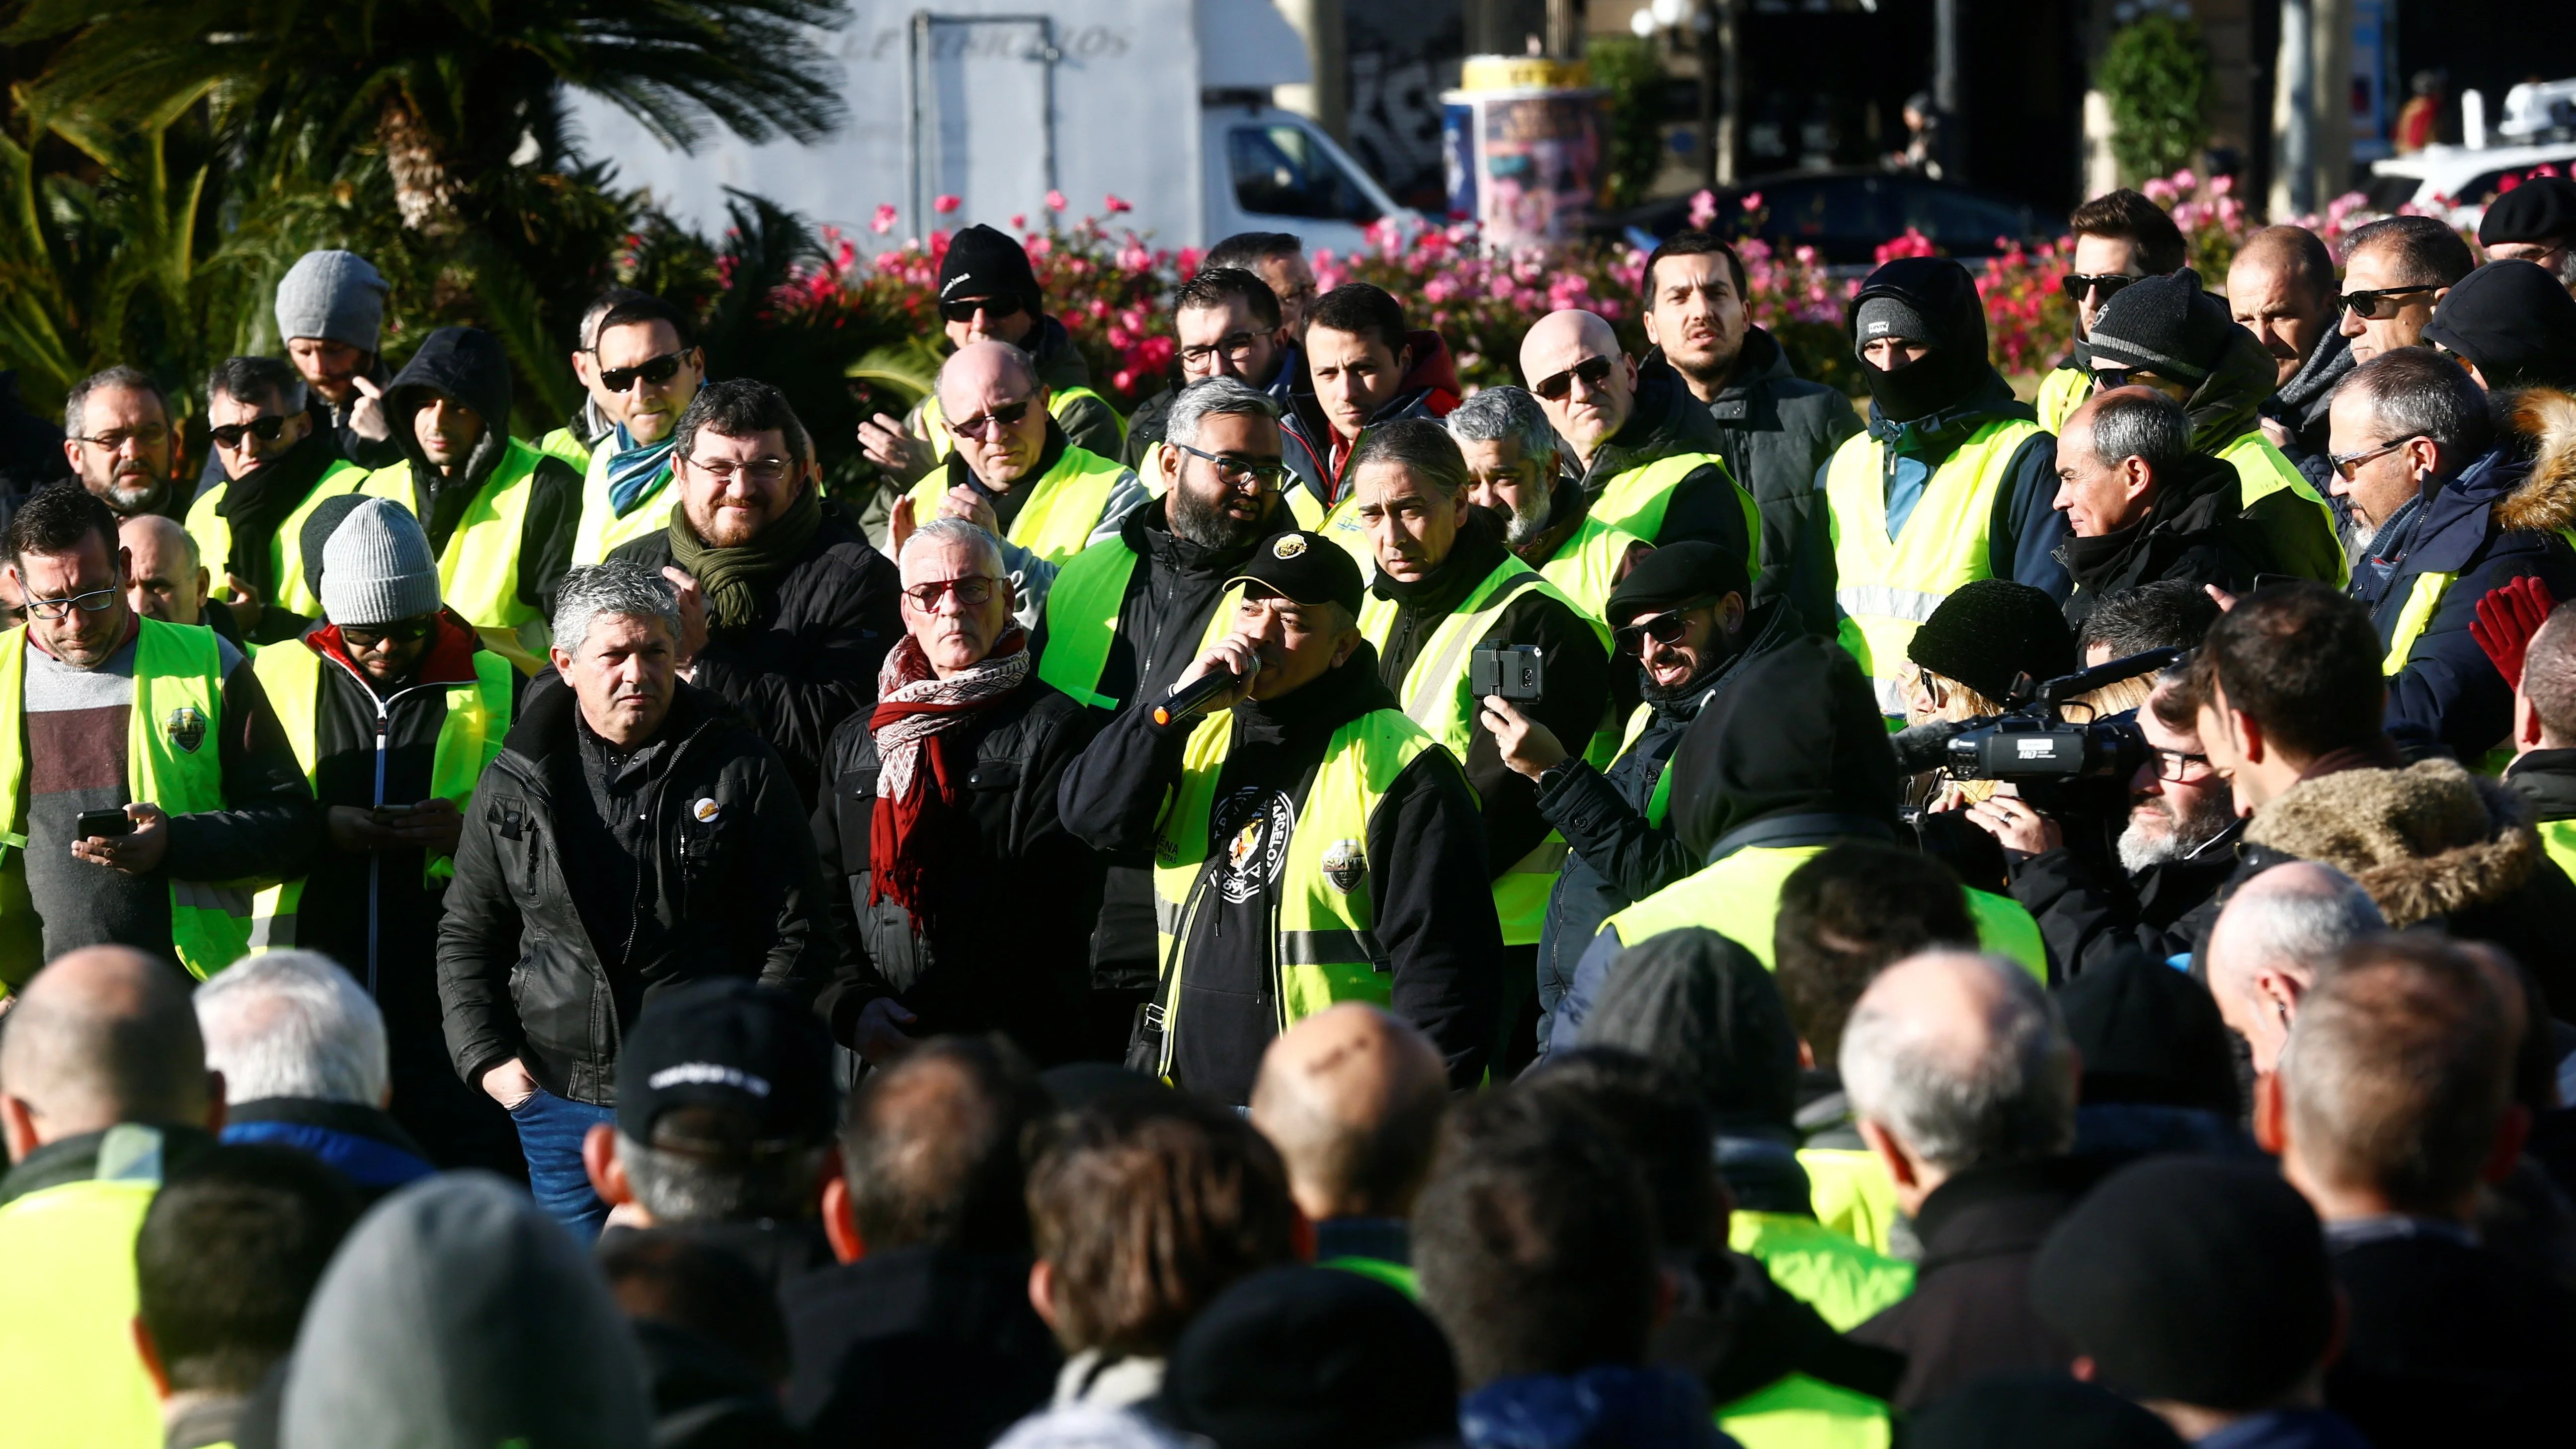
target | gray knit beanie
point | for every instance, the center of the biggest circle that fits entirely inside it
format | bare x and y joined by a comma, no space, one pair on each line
377,568
332,295
1889,317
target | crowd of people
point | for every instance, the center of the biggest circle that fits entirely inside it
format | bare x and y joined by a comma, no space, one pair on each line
1656,907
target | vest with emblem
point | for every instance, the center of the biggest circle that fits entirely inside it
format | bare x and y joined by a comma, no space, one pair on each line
1063,508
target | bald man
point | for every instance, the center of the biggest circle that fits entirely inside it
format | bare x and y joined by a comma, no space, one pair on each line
2281,287
1643,449
103,1085
1962,1080
1014,473
2276,934
165,579
1352,1098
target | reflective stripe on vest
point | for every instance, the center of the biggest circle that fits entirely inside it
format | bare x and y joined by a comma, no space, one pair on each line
602,528
1438,696
1887,589
2060,393
478,571
212,533
1739,898
1082,619
1586,566
1636,500
2421,601
2262,470
1326,949
1060,401
1063,507
68,1371
173,759
469,739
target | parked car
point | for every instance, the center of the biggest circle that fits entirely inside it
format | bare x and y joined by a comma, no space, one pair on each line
1846,214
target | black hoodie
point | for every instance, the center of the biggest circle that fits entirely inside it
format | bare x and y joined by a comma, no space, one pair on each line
2193,531
470,366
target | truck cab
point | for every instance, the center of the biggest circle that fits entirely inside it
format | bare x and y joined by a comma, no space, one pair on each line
1272,170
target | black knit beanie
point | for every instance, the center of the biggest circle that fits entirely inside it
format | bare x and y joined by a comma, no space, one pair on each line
2197,1279
2514,321
1990,630
981,262
2167,325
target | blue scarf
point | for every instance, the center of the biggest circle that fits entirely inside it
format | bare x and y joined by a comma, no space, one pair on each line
633,468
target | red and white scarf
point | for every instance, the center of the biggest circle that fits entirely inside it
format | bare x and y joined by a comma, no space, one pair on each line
914,707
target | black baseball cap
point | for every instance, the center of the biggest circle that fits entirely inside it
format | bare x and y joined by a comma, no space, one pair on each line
729,1043
1303,568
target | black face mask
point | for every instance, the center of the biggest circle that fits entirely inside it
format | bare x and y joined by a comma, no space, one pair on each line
1924,386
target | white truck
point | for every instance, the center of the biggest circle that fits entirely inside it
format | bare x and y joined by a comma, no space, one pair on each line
2538,128
1165,104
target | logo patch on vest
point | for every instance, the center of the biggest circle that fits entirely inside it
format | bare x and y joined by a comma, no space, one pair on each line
1345,866
187,728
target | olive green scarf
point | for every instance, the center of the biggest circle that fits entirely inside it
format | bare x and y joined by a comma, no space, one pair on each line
731,577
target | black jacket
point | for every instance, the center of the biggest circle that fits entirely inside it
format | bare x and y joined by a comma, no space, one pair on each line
1776,430
2448,1342
809,659
254,507
729,886
1667,420
471,367
2193,531
1970,1314
1427,879
2547,779
2091,911
916,1347
1008,944
1577,675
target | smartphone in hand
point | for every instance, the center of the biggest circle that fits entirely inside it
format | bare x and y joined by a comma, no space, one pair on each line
99,824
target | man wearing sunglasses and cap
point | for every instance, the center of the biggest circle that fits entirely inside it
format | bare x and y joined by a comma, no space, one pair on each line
1311,844
393,707
277,465
989,293
644,369
2120,237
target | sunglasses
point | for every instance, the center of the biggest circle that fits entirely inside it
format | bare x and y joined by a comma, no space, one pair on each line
2380,304
1593,372
2076,285
2347,464
974,591
1267,472
363,637
985,425
994,309
265,429
657,371
1665,628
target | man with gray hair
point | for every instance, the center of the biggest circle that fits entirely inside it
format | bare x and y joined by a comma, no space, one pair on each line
2274,940
1962,1079
2144,507
272,465
1514,468
118,439
632,836
302,1052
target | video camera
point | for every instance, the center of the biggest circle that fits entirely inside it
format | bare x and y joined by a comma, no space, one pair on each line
2032,742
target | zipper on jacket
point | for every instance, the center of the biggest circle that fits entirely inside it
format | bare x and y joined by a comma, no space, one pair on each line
375,859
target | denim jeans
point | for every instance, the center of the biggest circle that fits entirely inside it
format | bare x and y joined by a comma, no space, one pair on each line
550,1133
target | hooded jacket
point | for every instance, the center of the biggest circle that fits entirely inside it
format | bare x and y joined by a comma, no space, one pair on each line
1667,420
720,878
1429,390
471,367
2193,531
2300,408
1959,394
1776,431
2496,521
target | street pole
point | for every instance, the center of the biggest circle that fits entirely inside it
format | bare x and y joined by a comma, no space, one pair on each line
2294,111
1730,91
1945,89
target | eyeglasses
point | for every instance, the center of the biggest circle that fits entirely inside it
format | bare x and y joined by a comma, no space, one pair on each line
95,601
963,309
2076,285
2380,304
150,435
2176,765
2346,464
1592,372
974,591
657,371
1238,470
363,637
265,429
985,425
1665,628
1232,344
763,472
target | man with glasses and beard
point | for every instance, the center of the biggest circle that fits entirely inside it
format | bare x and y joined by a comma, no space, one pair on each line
117,435
1128,614
1514,472
941,793
785,610
1683,620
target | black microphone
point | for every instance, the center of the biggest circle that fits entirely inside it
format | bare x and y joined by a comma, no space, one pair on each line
1193,697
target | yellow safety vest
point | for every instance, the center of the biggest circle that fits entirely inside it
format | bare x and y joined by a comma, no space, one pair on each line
68,1370
2261,471
173,759
562,443
213,535
2423,599
1852,1194
1586,566
1845,1282
603,528
1636,500
1799,1412
1082,619
1437,694
1060,401
2558,837
1326,948
2060,393
1886,589
478,571
470,738
1063,507
1739,898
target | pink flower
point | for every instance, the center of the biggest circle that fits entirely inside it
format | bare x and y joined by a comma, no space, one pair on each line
1115,204
1019,221
944,204
1055,201
1753,201
884,221
1703,209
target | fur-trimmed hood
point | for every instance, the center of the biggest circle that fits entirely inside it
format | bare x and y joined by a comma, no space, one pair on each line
2424,841
2546,500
